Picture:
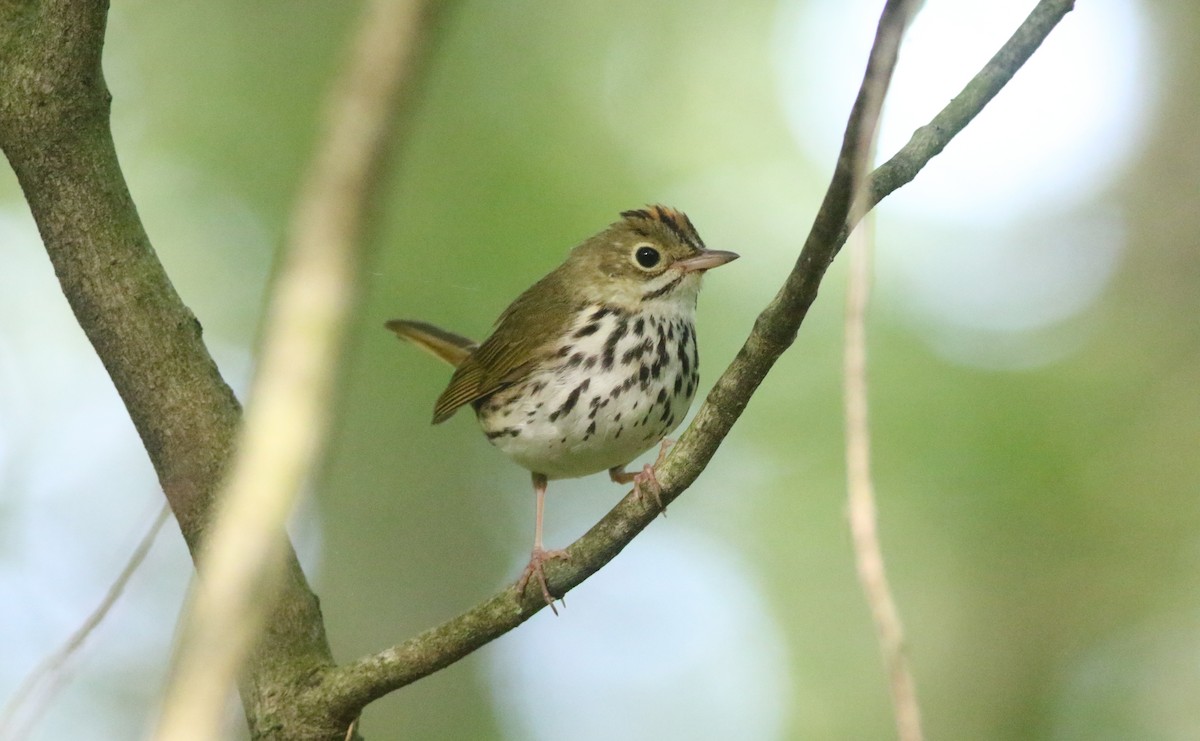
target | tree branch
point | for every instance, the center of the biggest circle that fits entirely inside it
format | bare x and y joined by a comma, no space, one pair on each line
362,681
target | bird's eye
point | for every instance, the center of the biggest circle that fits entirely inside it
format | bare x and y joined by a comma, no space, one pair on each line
647,256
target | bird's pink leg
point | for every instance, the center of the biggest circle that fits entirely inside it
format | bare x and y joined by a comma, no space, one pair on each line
540,555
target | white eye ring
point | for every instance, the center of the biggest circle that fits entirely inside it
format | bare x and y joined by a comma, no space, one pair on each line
646,256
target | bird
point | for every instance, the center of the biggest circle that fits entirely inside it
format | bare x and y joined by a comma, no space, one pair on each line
590,367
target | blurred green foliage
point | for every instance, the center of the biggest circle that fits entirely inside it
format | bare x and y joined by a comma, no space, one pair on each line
1040,524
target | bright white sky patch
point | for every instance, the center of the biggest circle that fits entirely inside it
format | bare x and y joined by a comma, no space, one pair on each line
1007,233
672,640
1054,137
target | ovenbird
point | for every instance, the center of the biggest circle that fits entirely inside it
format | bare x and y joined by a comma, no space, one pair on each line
593,365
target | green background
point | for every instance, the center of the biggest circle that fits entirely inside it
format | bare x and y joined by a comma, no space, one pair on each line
1040,523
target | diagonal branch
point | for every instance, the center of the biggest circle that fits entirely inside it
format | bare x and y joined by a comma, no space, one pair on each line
362,681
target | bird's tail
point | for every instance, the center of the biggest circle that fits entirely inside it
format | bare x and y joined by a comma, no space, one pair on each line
443,345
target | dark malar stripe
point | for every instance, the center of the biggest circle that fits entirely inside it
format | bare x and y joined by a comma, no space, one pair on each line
658,293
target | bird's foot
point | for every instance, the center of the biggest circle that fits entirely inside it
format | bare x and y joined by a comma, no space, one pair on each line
645,480
534,569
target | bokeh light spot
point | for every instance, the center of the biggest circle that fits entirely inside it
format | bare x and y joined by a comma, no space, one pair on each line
671,640
1055,136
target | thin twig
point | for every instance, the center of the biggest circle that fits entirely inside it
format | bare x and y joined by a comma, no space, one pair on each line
861,510
290,399
49,674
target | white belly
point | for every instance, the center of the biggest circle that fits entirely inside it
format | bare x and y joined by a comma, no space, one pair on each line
601,403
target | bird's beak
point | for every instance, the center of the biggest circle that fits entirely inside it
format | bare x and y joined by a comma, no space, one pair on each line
706,260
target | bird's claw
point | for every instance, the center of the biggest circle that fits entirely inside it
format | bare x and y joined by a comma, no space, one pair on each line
645,478
534,569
